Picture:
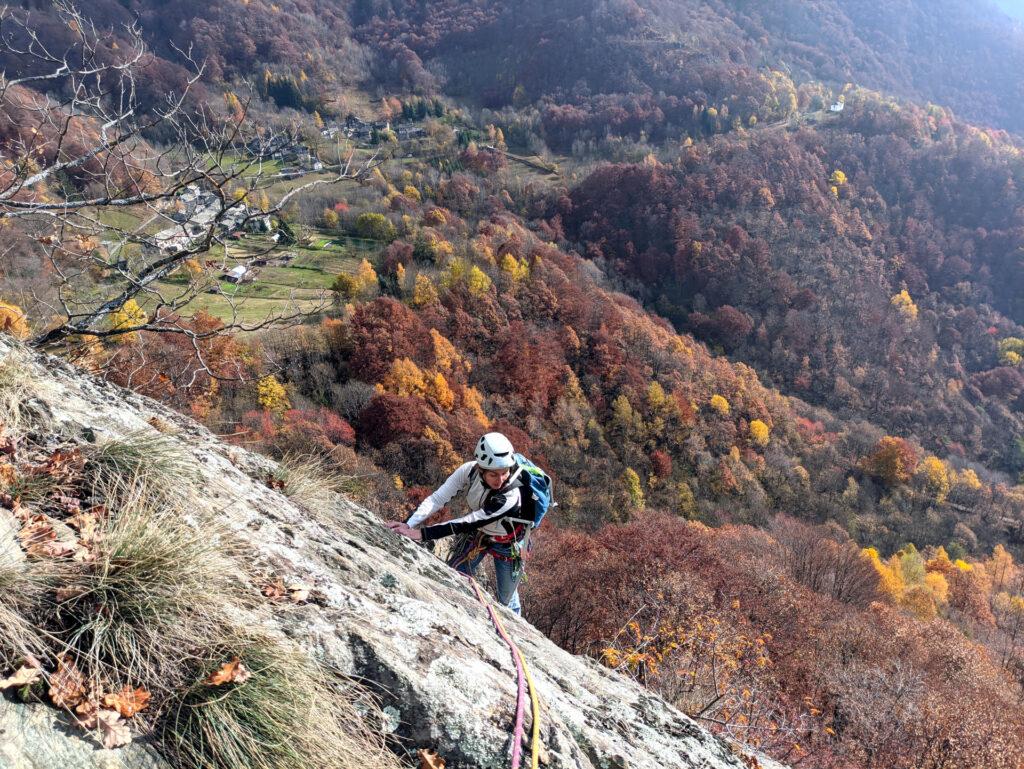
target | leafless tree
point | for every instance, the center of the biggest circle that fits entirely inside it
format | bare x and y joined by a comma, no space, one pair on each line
117,215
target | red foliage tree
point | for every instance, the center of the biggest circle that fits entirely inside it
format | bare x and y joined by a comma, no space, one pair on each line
392,418
382,331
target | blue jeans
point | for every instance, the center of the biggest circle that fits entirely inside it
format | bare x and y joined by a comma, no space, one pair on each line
507,573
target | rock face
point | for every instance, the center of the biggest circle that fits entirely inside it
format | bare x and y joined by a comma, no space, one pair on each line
386,612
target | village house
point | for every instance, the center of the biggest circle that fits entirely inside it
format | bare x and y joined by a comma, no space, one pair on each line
239,274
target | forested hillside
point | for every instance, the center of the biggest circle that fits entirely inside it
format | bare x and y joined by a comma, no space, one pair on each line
653,61
872,264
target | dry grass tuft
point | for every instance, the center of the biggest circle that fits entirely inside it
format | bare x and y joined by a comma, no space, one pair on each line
312,481
290,714
19,385
158,460
159,581
22,587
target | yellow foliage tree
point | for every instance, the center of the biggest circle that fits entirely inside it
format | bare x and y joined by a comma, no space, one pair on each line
656,397
362,285
890,574
935,476
625,421
446,357
938,587
271,395
908,582
919,600
13,321
720,404
454,274
634,491
968,479
439,392
837,179
940,562
686,503
518,269
759,432
1000,566
424,291
366,279
1011,351
477,281
129,316
473,402
904,305
404,378
234,107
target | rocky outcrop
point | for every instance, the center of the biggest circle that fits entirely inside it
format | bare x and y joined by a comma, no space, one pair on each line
383,610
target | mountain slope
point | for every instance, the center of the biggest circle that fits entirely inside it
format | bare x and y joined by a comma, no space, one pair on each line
954,53
382,609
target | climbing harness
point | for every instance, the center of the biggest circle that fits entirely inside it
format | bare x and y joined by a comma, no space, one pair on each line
477,544
524,682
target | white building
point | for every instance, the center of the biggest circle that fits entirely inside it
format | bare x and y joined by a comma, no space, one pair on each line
236,274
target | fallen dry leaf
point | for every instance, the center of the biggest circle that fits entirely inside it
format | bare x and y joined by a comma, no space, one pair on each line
86,712
86,524
113,731
233,672
274,589
128,701
67,593
160,425
69,505
55,549
7,474
67,685
64,463
429,759
23,676
275,483
35,533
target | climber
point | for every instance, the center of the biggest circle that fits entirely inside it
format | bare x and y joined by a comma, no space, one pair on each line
492,483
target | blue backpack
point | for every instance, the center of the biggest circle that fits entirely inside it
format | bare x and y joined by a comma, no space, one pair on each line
536,492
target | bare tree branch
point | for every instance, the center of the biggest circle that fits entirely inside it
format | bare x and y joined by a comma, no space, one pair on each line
119,218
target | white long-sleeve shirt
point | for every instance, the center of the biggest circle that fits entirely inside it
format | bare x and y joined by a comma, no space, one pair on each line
490,507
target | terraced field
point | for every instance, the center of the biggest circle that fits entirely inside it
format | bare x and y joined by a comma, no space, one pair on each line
302,284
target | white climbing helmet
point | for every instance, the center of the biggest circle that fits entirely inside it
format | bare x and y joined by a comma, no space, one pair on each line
494,452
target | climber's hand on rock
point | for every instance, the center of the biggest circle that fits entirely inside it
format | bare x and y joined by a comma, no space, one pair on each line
406,531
